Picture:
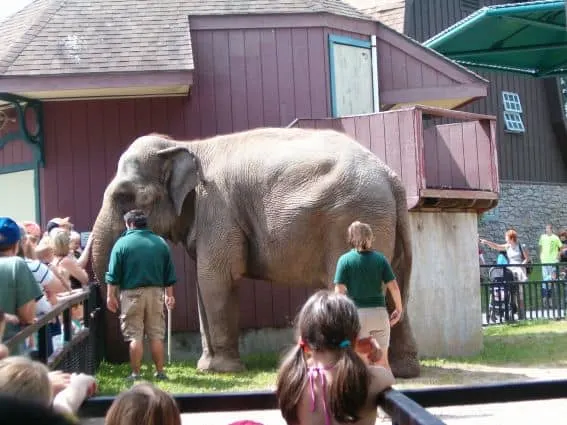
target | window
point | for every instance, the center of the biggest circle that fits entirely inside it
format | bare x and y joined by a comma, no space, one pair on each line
563,84
18,195
513,122
351,75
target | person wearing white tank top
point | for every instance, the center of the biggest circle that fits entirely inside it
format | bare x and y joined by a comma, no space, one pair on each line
517,254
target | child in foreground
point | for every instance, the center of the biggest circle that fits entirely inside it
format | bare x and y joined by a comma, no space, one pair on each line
143,404
31,380
322,380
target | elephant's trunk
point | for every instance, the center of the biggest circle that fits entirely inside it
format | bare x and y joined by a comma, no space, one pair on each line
108,226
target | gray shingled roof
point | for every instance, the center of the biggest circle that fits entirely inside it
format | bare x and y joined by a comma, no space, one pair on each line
91,36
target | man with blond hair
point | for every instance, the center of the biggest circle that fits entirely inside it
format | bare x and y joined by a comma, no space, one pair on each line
362,273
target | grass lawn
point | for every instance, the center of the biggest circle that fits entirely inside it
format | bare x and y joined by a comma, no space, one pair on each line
508,350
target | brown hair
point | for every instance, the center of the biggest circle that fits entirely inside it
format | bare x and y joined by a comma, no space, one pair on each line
25,378
360,236
143,404
327,322
512,235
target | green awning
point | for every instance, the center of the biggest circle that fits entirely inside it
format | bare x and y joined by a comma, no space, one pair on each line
529,38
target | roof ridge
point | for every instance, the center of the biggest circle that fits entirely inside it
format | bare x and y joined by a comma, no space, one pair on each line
38,23
323,6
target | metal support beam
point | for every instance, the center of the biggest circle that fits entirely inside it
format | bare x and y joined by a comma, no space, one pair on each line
495,52
532,23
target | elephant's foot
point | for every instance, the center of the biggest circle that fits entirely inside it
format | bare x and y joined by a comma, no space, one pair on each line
405,366
220,363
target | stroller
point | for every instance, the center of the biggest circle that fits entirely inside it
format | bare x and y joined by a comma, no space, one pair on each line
500,302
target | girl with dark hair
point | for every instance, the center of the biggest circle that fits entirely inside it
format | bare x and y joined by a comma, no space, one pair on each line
322,380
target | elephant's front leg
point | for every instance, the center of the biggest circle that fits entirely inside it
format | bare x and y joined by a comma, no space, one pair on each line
219,311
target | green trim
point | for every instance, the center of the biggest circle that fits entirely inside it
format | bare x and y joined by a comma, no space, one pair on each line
347,41
526,38
34,139
14,168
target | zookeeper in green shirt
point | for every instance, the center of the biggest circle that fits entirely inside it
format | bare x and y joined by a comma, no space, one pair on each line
361,274
142,268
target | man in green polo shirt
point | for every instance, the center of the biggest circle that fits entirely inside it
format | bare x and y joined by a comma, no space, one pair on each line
142,268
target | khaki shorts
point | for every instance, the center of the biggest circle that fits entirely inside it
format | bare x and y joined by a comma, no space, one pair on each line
375,322
142,312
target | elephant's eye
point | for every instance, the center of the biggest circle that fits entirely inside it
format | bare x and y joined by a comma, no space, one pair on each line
126,200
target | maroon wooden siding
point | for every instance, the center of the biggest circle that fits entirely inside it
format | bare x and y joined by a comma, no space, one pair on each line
391,136
533,156
15,152
459,157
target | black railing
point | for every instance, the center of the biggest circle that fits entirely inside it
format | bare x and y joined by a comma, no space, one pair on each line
402,409
406,407
505,298
80,351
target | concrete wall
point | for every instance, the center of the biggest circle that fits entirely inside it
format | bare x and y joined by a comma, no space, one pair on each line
444,306
526,207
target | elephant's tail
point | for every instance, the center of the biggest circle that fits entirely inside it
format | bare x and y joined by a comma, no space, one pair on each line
402,259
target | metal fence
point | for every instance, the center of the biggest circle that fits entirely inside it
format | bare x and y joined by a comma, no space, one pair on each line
80,351
505,298
407,407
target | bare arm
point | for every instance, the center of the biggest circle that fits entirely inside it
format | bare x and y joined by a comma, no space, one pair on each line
394,289
496,246
26,313
83,260
75,270
340,288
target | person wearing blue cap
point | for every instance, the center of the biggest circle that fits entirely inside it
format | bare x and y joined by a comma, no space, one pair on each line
18,289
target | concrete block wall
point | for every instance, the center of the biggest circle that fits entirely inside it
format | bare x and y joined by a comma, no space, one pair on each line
526,207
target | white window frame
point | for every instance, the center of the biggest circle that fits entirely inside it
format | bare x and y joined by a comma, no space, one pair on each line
512,114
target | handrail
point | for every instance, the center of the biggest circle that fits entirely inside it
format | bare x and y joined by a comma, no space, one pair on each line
66,302
395,403
403,406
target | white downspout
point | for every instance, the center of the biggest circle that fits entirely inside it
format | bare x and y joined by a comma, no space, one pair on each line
375,90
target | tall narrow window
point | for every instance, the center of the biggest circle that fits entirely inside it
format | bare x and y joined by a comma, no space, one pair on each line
351,75
513,122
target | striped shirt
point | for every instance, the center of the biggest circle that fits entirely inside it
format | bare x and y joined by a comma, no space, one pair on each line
40,271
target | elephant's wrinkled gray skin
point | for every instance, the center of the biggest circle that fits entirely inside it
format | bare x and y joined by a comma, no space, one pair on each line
270,204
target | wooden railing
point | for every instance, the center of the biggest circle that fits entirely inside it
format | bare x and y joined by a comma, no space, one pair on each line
79,351
456,161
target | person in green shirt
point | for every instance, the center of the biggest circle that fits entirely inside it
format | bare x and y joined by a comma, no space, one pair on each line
141,267
19,290
550,247
362,273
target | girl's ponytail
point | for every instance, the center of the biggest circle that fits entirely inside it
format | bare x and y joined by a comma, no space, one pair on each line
349,389
292,376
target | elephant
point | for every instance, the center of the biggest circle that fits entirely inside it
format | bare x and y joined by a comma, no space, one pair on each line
270,203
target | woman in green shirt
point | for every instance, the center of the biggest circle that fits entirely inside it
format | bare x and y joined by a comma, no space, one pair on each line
362,273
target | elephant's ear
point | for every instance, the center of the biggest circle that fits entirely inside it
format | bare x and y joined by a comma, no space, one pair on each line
184,175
